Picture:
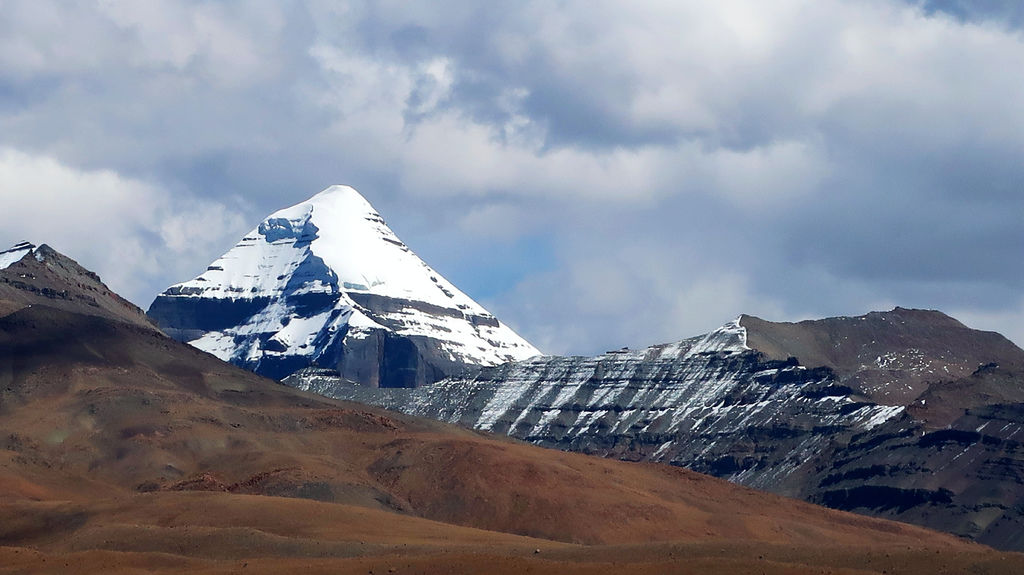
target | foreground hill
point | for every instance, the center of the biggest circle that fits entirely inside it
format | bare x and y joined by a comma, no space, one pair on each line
122,450
906,414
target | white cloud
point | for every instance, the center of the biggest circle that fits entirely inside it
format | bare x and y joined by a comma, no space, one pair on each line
221,43
861,144
625,292
130,232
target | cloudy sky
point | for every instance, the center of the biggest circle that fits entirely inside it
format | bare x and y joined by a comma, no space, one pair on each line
598,174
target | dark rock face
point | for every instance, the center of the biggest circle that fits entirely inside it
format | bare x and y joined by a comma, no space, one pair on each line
950,457
186,319
387,360
378,358
883,498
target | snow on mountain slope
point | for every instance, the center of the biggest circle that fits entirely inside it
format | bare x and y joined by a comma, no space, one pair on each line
327,282
709,403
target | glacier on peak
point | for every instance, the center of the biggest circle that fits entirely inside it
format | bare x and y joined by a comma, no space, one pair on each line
326,282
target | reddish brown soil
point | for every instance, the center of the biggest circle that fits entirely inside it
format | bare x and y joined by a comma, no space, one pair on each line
122,451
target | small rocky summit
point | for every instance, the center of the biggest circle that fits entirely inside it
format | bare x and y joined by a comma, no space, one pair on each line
326,283
31,274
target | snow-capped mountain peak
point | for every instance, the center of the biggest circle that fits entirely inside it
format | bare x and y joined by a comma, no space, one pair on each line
320,280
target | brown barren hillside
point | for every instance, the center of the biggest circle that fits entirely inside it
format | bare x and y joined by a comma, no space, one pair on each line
893,357
123,451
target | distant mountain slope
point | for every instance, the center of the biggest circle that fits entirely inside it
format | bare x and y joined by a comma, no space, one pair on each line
32,275
775,420
326,282
122,450
709,403
892,356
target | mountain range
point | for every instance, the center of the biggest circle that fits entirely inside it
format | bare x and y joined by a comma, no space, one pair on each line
905,414
125,451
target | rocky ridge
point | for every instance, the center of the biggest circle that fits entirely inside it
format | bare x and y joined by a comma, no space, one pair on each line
891,357
773,420
31,275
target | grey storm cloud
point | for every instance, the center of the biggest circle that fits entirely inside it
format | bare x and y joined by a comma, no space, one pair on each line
596,174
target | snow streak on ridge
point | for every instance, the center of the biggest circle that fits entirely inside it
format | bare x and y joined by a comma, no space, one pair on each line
695,403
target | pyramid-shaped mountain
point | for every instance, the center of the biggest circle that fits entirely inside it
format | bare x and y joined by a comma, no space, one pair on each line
326,283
